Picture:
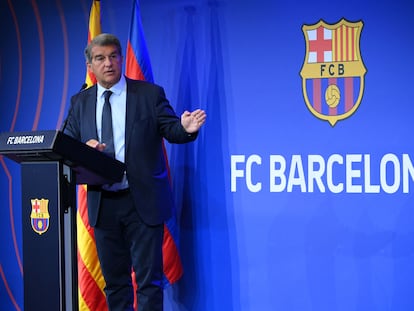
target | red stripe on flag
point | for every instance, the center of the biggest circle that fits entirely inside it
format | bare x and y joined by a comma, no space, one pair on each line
83,205
349,93
317,102
131,65
353,44
173,268
94,297
345,43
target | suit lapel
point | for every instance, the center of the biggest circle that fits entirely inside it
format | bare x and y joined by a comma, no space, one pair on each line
131,110
90,106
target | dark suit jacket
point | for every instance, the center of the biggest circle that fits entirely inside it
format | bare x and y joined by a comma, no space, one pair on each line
149,118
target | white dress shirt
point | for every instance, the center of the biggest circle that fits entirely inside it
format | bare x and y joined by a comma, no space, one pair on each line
118,108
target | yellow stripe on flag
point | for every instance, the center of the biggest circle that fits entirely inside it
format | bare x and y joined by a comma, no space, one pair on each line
82,304
88,253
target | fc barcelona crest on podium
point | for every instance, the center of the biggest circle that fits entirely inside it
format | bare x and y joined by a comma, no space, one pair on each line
333,71
40,215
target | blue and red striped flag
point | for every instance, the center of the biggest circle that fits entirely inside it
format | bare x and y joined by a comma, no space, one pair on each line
138,66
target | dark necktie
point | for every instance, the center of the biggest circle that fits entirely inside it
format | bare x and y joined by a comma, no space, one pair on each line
107,134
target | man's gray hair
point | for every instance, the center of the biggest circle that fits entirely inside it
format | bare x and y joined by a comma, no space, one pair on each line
103,39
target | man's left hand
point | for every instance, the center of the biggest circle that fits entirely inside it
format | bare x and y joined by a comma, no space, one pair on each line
192,121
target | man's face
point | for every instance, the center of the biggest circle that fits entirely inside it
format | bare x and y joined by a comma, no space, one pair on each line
106,65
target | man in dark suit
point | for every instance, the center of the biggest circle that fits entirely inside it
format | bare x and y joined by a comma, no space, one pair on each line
128,216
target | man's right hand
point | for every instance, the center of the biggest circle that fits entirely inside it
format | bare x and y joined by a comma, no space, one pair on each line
96,144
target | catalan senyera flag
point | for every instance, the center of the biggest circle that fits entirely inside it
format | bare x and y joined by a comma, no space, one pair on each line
138,66
90,279
94,30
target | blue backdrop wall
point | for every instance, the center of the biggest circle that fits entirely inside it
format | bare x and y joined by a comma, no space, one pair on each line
286,201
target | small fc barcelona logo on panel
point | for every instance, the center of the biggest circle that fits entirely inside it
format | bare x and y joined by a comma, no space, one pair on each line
333,71
39,217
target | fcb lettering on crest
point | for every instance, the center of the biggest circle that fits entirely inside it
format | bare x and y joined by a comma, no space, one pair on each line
333,71
39,217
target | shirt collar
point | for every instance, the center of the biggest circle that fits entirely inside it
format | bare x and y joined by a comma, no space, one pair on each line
116,88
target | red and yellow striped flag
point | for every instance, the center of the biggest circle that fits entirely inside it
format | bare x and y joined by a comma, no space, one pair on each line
90,279
93,31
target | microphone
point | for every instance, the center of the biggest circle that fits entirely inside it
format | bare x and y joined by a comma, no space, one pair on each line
84,86
62,129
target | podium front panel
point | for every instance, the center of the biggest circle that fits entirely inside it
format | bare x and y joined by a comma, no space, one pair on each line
42,225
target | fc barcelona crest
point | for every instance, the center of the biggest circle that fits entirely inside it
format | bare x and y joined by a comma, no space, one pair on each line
39,216
333,71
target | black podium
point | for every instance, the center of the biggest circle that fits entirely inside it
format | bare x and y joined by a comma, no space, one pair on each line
52,163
